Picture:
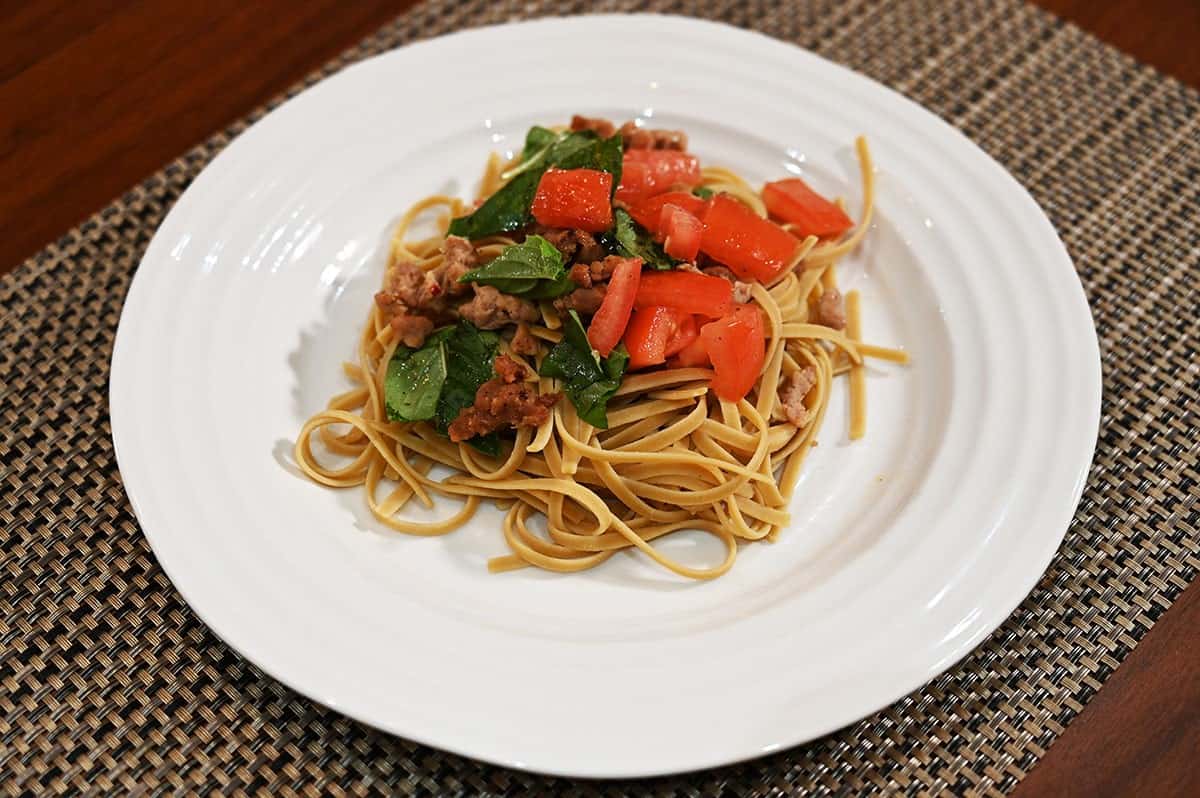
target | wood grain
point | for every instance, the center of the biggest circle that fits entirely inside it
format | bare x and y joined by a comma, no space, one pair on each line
1140,735
99,94
1162,33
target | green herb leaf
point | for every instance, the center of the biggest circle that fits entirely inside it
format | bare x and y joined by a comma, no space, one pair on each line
588,380
503,212
591,401
508,208
488,444
434,383
531,269
629,239
603,155
538,139
470,353
703,192
538,142
413,384
414,380
571,148
552,289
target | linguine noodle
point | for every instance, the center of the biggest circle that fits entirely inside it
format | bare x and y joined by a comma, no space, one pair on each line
674,457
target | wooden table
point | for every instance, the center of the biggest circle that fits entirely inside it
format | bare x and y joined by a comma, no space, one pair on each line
97,95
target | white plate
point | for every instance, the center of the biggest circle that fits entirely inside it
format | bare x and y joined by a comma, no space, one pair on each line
906,550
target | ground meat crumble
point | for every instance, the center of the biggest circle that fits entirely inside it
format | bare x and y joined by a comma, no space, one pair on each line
577,246
792,392
506,400
523,341
491,309
632,136
831,309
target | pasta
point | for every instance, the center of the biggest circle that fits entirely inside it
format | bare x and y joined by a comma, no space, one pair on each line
674,456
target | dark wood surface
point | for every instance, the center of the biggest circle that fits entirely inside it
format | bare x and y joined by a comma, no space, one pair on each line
1140,735
97,95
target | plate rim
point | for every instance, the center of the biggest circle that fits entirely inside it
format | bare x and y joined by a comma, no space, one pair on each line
1093,373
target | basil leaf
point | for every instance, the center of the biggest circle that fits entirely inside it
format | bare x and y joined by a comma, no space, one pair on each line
570,150
414,380
413,384
538,142
434,383
538,139
508,208
470,353
629,239
591,401
488,444
703,192
503,212
532,269
603,155
552,289
589,382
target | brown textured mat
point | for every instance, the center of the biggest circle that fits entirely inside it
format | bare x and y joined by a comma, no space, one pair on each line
108,682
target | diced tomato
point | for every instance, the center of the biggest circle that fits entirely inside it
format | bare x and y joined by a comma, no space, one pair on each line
612,316
690,292
694,354
681,232
686,331
657,332
647,335
635,182
753,247
645,173
737,347
575,198
648,212
793,201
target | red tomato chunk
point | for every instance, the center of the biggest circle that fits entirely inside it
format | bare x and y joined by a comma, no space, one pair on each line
654,333
753,247
608,325
686,332
692,354
645,173
648,212
737,346
689,292
579,199
793,201
681,233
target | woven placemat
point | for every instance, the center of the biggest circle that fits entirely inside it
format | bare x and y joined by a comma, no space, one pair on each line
108,682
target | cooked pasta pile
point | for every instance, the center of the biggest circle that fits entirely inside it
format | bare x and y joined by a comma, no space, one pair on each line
674,455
